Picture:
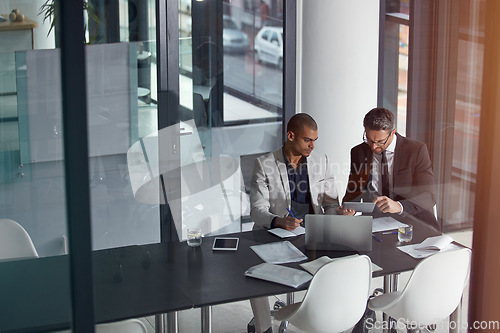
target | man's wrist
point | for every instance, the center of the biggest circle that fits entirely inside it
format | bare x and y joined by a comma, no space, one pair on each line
401,205
273,221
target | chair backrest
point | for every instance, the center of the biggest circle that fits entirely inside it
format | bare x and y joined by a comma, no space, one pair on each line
435,288
337,296
15,243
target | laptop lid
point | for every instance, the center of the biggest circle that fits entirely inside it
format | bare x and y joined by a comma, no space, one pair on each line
338,232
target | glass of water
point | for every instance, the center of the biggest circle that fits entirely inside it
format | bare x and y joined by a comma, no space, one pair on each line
405,234
194,236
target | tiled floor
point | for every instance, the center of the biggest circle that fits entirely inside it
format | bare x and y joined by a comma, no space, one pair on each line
234,317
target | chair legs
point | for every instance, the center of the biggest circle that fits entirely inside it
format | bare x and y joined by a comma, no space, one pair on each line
278,305
283,327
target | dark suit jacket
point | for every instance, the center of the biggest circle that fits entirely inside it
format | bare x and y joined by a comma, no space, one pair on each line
413,179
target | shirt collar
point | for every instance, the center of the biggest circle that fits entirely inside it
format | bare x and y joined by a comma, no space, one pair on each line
303,159
392,147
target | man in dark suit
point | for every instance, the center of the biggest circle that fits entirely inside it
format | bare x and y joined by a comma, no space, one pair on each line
391,170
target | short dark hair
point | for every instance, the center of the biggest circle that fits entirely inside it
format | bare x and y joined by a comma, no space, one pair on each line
379,119
298,121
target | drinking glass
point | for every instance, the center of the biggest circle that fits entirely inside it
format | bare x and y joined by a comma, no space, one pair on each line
194,237
405,234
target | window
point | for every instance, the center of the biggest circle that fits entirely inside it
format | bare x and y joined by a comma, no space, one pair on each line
432,74
231,107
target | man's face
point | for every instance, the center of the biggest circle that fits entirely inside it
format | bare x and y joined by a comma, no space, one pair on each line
379,140
302,143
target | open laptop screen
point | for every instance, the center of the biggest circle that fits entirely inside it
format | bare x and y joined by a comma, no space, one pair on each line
338,233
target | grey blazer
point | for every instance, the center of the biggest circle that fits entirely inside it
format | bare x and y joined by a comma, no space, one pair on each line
270,190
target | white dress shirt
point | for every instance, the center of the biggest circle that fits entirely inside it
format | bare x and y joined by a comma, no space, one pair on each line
377,168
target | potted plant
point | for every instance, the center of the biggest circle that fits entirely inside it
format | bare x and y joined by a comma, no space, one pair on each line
50,12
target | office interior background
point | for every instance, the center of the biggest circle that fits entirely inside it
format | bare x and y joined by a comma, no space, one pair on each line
146,121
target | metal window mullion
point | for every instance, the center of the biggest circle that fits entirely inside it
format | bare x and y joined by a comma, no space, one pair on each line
74,106
289,62
167,50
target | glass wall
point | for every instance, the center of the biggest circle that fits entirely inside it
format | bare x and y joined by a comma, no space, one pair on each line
442,73
465,121
231,93
397,26
122,122
32,183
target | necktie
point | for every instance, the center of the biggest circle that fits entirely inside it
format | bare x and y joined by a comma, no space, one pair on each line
385,175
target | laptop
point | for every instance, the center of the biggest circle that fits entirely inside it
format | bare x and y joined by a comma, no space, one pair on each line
338,232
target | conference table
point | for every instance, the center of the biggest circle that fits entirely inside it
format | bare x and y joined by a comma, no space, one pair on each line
163,278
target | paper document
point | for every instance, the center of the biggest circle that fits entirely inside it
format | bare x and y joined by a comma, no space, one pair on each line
282,233
279,274
386,223
313,266
430,246
278,252
436,243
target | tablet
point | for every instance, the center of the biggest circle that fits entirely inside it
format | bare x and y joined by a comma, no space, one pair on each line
225,243
363,207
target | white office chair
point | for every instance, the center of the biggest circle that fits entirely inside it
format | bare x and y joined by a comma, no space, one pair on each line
432,293
124,326
336,298
15,243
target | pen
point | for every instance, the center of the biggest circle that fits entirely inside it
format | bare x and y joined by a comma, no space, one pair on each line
376,238
291,214
390,233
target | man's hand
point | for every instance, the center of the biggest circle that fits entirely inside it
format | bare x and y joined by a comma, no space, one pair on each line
387,205
287,223
345,211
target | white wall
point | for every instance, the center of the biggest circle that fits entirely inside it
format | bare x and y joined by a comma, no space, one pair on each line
337,72
30,8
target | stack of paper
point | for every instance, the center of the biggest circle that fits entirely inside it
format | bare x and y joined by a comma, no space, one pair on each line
436,243
279,252
429,246
279,274
282,233
386,223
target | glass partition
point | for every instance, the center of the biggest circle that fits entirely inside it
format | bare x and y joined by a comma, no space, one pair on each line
231,97
32,183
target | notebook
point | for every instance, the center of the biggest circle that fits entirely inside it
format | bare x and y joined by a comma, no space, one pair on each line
338,233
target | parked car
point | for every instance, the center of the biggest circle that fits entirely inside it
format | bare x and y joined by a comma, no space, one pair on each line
269,46
233,39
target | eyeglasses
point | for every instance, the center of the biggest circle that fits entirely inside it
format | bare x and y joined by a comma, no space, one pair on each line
380,143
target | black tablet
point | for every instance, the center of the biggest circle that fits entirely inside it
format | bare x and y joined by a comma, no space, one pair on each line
226,243
363,207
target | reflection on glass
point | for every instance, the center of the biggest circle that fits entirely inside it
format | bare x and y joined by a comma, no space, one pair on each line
122,109
402,78
222,88
465,124
253,76
32,185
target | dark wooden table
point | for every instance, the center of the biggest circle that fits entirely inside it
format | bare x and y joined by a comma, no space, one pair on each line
138,281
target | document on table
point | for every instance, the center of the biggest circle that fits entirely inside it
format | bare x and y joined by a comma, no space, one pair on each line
282,233
279,274
386,223
313,266
430,246
278,252
436,243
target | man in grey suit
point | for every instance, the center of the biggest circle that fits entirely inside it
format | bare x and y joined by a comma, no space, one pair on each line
293,177
286,185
